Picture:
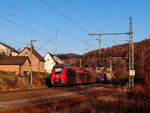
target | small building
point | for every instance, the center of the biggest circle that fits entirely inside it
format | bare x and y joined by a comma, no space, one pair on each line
20,65
51,61
7,50
37,60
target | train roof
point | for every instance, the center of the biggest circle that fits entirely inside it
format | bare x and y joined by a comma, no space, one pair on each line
73,67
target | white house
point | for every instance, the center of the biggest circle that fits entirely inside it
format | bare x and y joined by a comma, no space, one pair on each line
7,50
50,62
58,60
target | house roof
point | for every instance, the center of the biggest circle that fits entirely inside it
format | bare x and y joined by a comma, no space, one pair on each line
56,59
52,56
36,54
12,49
13,60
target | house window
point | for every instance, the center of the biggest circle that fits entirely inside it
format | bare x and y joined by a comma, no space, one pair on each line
47,59
26,54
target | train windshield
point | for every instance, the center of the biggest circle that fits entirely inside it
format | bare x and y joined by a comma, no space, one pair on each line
58,69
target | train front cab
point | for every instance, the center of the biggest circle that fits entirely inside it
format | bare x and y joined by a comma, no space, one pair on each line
58,75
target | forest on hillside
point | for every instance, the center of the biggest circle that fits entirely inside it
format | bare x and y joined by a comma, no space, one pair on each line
102,58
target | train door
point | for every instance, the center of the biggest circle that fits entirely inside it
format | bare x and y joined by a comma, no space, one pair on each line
71,75
68,75
80,77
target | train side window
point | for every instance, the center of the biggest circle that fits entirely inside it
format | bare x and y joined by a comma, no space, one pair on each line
80,75
73,73
68,72
87,76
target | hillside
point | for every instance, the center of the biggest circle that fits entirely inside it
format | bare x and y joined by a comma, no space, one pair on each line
120,65
72,59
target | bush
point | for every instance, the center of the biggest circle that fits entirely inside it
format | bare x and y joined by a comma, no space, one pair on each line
40,74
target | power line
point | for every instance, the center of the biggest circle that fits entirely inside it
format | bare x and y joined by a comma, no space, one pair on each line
36,21
83,16
8,20
88,44
61,48
108,26
14,41
44,44
20,11
20,25
91,22
69,45
63,15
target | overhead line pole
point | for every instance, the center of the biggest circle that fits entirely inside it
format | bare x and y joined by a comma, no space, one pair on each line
100,36
131,55
131,50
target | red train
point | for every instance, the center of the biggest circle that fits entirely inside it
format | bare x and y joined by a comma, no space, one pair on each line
63,74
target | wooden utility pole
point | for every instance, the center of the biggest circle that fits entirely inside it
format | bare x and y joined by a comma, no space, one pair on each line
99,43
111,66
31,62
80,62
31,52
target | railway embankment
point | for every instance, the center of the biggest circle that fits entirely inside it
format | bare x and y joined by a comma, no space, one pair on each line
78,99
20,99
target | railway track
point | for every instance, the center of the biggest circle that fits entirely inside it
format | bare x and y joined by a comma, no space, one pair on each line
60,103
20,99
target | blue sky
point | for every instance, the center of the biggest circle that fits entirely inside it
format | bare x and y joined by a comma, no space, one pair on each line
64,25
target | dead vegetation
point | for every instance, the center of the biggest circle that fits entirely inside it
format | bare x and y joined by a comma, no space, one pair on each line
14,84
107,101
132,101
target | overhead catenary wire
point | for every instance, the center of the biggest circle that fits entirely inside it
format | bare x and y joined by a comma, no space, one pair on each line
88,44
44,44
66,17
25,27
22,26
83,16
108,26
65,44
37,21
14,41
18,10
69,45
13,22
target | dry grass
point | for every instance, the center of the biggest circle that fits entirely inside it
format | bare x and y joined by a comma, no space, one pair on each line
21,84
6,75
133,101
